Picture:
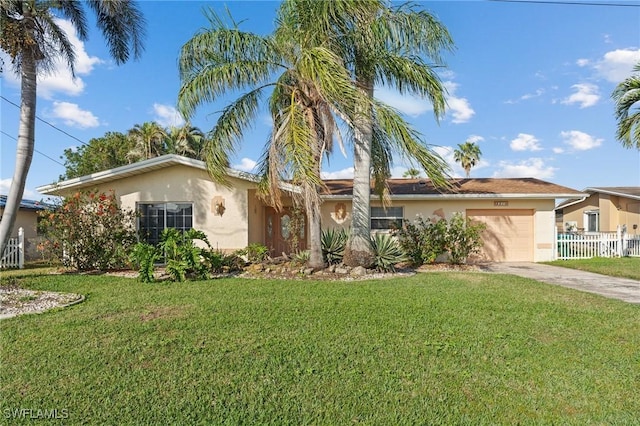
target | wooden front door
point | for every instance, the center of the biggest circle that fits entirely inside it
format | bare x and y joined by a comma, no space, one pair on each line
281,235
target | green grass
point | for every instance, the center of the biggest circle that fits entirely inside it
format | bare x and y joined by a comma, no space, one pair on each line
625,267
439,348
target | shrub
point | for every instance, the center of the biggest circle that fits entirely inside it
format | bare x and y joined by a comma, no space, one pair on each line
334,242
144,256
182,256
301,257
424,240
88,231
386,251
463,238
255,253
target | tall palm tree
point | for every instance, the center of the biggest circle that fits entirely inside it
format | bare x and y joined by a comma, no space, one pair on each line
381,44
627,98
468,155
186,140
411,173
149,138
305,84
33,39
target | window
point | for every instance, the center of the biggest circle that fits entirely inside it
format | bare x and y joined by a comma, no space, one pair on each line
592,221
388,218
154,218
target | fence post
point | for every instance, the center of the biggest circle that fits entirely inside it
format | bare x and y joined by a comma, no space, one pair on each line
20,248
556,243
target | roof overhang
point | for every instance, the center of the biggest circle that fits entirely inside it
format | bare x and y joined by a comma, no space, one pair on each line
145,166
610,192
422,197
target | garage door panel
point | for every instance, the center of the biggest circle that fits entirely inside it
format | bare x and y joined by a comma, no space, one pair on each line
508,236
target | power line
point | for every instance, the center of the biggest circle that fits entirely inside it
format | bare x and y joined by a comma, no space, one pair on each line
41,153
571,3
47,123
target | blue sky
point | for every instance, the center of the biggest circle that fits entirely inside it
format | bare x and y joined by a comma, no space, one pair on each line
529,82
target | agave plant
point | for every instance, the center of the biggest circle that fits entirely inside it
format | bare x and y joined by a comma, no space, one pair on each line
334,242
386,251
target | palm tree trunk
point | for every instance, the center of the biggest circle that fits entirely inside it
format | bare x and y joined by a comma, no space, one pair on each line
358,250
24,149
315,233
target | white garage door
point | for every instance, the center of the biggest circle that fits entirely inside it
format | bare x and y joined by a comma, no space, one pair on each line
509,234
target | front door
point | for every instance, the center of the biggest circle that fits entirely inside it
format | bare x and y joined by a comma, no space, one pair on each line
284,231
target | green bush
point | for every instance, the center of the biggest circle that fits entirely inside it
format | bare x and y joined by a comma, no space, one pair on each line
334,242
386,252
463,238
88,231
425,240
144,257
255,253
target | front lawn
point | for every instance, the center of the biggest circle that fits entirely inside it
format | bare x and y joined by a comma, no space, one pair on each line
625,267
436,348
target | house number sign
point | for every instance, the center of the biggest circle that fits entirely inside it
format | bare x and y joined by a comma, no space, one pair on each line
500,203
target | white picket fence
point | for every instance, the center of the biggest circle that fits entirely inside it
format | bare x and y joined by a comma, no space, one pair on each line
13,256
597,244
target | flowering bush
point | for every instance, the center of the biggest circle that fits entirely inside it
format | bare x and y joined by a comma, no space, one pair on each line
88,231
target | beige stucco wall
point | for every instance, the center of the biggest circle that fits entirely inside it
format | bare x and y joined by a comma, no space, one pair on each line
614,211
543,221
28,221
182,184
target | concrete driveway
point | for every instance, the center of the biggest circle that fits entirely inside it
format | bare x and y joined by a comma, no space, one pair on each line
604,285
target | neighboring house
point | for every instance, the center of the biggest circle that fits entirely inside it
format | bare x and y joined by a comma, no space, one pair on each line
603,209
27,219
174,191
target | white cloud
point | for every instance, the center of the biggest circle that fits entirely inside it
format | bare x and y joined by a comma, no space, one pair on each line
73,116
558,150
166,115
410,105
475,139
533,167
245,165
586,95
617,65
59,79
338,174
460,108
525,142
5,185
580,141
582,62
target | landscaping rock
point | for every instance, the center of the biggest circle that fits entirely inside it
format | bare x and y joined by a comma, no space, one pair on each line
359,271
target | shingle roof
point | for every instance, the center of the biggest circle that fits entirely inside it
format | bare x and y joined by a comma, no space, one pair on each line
463,187
632,192
26,204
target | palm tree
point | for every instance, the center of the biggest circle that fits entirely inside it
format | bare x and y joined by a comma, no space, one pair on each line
149,139
627,95
411,173
305,84
186,140
384,45
33,39
468,155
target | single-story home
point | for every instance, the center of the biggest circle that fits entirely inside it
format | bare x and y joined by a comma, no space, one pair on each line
174,191
603,209
27,219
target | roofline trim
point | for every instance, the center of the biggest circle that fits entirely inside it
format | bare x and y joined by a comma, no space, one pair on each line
609,192
410,197
162,161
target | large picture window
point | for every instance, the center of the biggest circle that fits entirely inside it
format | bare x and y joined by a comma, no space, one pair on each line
155,217
384,219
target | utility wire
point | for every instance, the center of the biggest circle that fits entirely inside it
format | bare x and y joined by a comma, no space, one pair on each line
572,3
47,123
41,153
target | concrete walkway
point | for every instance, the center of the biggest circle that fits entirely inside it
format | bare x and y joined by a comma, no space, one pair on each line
624,289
